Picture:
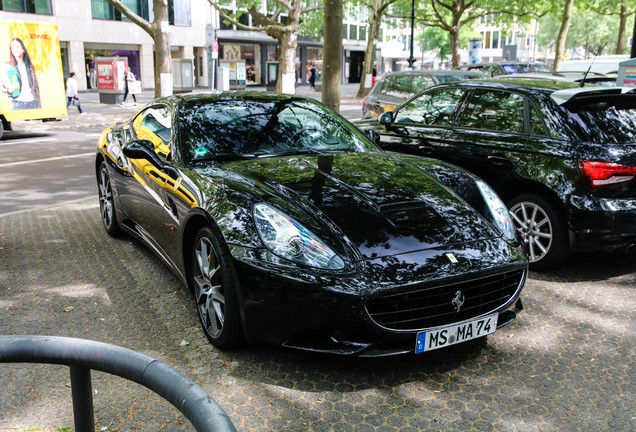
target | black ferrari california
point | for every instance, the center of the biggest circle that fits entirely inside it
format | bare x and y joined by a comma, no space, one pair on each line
290,227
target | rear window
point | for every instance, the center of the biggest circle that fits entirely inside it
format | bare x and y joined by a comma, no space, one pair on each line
421,83
608,126
397,86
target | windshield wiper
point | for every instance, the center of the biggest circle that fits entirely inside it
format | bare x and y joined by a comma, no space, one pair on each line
224,157
299,152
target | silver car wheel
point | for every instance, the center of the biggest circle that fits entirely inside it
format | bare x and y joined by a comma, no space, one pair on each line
105,198
535,228
208,288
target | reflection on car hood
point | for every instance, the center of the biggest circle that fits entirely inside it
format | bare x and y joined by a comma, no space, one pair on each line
381,203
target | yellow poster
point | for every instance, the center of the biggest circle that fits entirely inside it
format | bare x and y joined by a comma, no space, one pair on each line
31,77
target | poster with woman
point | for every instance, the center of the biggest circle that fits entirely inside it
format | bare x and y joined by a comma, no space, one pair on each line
20,81
31,80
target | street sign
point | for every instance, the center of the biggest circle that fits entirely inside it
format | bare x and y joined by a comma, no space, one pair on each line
209,35
215,49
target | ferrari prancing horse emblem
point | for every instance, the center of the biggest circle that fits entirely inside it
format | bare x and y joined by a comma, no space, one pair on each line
458,301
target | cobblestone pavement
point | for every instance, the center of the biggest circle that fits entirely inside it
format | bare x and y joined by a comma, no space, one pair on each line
567,363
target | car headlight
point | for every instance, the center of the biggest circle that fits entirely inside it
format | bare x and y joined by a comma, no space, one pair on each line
501,217
290,240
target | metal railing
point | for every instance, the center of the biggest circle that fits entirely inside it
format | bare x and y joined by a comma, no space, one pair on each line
82,356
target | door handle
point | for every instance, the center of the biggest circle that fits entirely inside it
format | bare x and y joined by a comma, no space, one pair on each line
499,160
425,149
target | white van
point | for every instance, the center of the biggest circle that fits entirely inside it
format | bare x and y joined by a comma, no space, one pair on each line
607,65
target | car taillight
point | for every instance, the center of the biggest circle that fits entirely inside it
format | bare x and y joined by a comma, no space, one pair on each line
599,174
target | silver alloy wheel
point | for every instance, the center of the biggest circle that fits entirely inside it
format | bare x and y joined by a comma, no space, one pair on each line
208,288
106,206
535,228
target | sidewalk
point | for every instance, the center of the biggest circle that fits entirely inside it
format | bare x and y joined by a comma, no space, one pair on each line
99,115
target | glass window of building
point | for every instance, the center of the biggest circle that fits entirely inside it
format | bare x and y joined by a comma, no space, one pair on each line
179,12
353,32
244,18
272,53
251,53
29,6
225,24
101,9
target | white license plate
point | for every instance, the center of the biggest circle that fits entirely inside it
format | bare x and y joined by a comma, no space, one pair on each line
446,336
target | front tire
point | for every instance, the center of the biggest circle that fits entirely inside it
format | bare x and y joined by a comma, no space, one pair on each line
107,202
214,290
542,229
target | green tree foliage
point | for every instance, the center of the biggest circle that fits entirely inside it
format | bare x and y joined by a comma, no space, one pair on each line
618,9
452,15
590,33
437,40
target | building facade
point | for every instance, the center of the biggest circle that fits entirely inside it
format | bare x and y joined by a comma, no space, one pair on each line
91,29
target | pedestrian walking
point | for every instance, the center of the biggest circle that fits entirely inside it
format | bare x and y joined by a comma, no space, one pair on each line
129,79
312,75
374,76
71,93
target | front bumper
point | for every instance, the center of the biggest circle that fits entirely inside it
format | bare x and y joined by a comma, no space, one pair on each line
318,312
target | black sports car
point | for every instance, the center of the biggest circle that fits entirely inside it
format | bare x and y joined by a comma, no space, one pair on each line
290,227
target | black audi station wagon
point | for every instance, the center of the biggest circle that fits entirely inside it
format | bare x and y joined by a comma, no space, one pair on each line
562,157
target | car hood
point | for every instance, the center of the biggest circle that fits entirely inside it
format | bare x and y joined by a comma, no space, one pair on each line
381,203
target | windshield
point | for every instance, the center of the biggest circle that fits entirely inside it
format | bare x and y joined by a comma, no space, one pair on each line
228,129
525,67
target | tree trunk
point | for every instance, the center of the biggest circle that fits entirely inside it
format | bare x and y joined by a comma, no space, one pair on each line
369,55
559,49
622,26
287,66
454,39
163,60
332,54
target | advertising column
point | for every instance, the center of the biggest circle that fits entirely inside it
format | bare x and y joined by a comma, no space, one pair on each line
110,78
474,51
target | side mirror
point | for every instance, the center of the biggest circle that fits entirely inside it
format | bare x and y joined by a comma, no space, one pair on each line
143,149
386,118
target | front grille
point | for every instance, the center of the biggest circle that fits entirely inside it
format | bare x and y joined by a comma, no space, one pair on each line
428,307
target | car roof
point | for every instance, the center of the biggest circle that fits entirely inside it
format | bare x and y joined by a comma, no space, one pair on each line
520,84
242,95
567,94
504,62
433,73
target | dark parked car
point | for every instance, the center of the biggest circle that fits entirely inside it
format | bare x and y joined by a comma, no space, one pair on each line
290,227
395,88
507,67
561,156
